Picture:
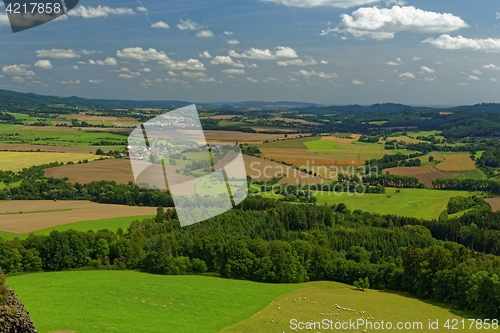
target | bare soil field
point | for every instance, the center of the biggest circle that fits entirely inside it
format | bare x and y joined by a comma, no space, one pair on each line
20,217
425,175
117,170
494,203
85,117
262,169
120,171
456,162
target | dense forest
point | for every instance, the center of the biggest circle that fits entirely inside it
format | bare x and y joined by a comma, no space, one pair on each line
269,241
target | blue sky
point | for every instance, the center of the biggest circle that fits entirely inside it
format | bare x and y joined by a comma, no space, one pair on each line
431,52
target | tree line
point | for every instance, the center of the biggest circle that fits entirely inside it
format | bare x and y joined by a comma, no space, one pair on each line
270,241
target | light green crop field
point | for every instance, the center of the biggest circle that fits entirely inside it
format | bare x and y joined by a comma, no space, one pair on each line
16,161
419,203
28,119
316,304
11,185
290,143
379,123
321,144
472,174
131,302
354,150
423,133
96,225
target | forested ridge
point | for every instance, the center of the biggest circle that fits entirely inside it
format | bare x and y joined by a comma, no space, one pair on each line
270,241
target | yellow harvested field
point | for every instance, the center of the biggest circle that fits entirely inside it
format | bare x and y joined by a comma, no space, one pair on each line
16,161
20,217
55,149
456,162
305,158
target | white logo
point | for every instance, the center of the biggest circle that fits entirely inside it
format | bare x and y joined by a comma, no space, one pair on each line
171,152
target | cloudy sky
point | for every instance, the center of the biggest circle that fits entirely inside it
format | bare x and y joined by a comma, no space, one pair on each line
425,52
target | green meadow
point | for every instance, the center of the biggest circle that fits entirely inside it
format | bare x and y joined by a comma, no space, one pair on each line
131,302
420,203
128,301
55,136
96,225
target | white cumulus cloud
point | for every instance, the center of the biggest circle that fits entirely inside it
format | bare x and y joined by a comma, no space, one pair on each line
139,54
297,62
205,54
205,34
322,3
493,67
45,64
160,25
18,70
226,60
234,71
384,23
189,25
106,62
407,75
447,42
426,69
194,75
309,74
233,42
99,11
57,53
279,53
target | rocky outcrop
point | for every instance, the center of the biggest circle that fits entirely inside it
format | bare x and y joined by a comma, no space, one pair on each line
13,315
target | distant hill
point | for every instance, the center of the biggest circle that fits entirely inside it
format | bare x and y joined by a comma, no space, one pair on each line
17,99
12,99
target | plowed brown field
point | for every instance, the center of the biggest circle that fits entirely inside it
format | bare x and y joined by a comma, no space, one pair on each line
20,217
425,175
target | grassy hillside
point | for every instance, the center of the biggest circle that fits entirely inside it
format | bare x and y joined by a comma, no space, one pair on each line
421,203
125,301
316,303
